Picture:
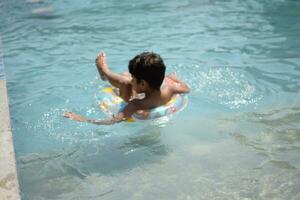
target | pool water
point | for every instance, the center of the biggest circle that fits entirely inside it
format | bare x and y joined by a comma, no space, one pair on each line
238,138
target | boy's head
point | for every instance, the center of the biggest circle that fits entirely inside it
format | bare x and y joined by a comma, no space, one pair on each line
150,67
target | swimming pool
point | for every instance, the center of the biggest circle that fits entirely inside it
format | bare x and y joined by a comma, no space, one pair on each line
238,138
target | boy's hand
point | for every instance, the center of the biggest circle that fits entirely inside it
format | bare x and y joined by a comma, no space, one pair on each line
74,116
101,53
101,64
177,85
101,59
172,76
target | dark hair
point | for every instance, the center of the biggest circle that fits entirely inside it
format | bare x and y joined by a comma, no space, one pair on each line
150,67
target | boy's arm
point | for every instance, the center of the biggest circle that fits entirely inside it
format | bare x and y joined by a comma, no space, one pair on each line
119,117
178,86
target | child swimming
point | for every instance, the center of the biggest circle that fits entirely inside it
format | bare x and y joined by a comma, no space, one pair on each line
146,75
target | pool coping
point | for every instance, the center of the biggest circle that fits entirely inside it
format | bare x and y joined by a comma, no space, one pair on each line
9,184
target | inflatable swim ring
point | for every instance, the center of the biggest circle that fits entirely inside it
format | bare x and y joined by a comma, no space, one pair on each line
111,104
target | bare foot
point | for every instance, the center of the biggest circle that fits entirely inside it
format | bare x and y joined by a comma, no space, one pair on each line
101,65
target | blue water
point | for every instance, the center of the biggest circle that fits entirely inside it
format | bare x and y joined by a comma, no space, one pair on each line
238,138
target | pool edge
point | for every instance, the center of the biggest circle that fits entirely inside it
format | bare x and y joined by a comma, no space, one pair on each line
9,184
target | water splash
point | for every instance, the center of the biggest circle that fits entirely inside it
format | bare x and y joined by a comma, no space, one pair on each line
222,85
52,125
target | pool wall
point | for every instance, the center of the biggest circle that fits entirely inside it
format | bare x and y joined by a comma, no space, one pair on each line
9,185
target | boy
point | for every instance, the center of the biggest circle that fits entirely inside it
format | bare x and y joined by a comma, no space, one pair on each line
147,73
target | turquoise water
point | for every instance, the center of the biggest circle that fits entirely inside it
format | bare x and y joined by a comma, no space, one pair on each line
238,138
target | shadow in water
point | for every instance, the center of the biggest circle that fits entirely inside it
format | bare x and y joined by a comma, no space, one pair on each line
146,141
277,140
44,16
109,156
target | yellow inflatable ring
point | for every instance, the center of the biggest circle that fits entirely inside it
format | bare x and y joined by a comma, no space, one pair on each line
111,104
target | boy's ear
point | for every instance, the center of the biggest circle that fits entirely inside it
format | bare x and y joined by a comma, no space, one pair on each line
143,83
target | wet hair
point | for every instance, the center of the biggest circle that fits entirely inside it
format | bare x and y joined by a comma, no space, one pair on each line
150,67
